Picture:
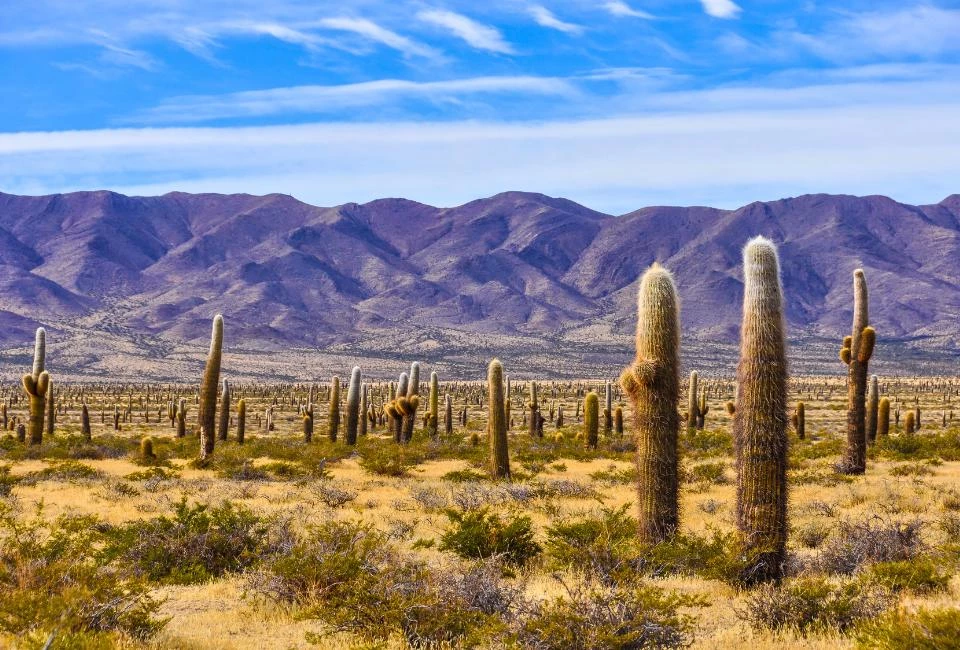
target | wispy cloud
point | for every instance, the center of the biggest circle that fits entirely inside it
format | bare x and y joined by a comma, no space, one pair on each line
721,8
477,35
374,32
546,18
621,9
327,99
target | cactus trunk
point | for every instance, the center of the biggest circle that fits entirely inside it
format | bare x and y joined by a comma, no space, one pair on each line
496,423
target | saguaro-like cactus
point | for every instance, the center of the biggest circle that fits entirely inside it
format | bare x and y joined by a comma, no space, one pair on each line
308,425
85,422
241,420
36,391
618,421
434,406
873,407
208,389
652,383
353,406
534,407
760,421
702,409
448,415
496,423
364,406
800,420
692,406
409,407
883,418
224,426
909,424
50,421
182,419
333,426
608,409
856,352
591,419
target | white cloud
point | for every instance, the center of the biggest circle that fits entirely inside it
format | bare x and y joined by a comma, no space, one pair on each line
325,99
375,32
721,8
477,35
622,9
545,18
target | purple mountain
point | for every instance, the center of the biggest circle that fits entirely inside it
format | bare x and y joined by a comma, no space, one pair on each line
286,274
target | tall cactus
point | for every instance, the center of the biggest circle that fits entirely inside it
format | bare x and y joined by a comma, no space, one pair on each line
873,406
363,410
353,406
333,426
883,418
85,422
496,423
856,352
241,420
652,382
35,385
182,419
692,394
408,407
534,407
591,419
448,415
434,406
760,420
50,422
608,409
208,389
800,420
223,428
39,353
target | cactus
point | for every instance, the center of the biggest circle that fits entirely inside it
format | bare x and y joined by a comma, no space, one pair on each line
39,353
308,426
618,421
36,390
241,420
208,389
702,410
916,416
85,422
363,410
883,418
146,449
608,410
856,352
800,420
182,419
434,406
21,433
873,405
353,407
496,423
909,423
333,426
692,394
49,422
760,419
534,407
652,383
408,408
223,428
591,419
448,415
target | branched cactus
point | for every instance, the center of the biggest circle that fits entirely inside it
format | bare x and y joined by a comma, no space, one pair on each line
856,352
652,383
241,420
760,420
35,385
591,419
496,423
333,426
208,389
353,406
408,407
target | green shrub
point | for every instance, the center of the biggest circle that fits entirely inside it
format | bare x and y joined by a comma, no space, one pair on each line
608,618
389,460
919,575
196,544
596,545
813,604
925,629
813,534
707,444
715,557
158,473
854,544
464,476
912,469
614,476
52,578
67,471
479,534
708,473
7,481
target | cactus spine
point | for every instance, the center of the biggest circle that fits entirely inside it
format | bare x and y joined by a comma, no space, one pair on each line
883,418
333,427
432,424
208,389
652,382
223,428
353,406
760,420
856,353
873,407
241,420
591,419
496,423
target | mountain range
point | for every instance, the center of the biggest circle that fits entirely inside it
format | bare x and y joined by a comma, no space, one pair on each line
515,269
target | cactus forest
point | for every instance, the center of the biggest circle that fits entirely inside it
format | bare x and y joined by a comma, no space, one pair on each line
671,506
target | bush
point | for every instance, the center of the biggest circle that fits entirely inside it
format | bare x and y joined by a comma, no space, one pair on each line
920,575
813,604
597,545
715,557
813,534
348,576
7,481
709,473
67,471
53,580
615,617
925,629
389,460
480,535
196,544
873,540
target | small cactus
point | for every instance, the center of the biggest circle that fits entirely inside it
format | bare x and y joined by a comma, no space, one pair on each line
182,419
883,418
873,406
591,419
241,420
800,420
146,449
618,421
333,426
692,406
85,422
448,415
308,426
364,405
909,424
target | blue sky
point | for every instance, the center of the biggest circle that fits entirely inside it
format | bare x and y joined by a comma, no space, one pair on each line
613,103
